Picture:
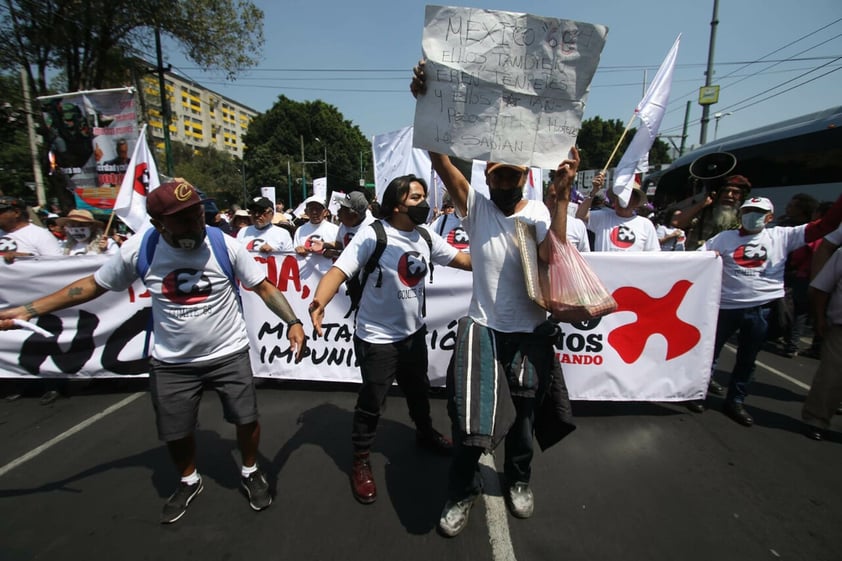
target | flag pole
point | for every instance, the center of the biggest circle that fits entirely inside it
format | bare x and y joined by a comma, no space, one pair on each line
110,218
619,142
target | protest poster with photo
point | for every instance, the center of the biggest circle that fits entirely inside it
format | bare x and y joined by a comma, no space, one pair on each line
504,86
90,138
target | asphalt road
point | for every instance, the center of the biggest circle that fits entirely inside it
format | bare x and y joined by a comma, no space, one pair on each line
635,481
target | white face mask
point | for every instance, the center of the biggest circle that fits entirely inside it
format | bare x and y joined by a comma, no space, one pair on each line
753,221
79,233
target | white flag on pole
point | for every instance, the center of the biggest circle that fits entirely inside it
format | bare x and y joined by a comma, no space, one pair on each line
650,110
141,178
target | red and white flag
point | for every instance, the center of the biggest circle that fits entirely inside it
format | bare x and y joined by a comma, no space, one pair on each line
650,110
141,178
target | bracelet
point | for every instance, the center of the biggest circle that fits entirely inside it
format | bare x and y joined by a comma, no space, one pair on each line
296,321
313,305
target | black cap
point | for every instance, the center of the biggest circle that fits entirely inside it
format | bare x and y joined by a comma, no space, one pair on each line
7,202
261,204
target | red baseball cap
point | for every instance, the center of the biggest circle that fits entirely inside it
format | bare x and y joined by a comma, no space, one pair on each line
172,197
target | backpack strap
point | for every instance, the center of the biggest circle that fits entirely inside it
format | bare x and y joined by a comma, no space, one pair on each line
144,260
220,252
147,252
374,261
426,235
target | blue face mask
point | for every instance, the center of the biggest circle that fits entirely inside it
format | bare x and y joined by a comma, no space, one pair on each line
753,221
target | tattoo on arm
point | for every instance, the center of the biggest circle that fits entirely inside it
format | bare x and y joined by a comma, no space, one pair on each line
30,309
74,291
278,304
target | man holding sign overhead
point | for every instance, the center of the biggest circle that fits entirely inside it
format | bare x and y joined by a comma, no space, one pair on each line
511,98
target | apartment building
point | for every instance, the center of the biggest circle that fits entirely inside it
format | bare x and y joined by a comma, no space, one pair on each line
200,117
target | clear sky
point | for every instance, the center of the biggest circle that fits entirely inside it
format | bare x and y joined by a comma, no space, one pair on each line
774,59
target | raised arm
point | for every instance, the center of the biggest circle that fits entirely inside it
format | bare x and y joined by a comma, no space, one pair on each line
583,213
454,181
559,198
78,292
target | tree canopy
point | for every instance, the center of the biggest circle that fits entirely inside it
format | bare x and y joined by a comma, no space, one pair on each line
597,139
274,146
15,159
91,42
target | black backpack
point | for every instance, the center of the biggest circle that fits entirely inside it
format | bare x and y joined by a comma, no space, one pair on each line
354,286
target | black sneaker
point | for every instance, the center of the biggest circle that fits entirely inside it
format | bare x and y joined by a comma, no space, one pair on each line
257,490
177,504
716,388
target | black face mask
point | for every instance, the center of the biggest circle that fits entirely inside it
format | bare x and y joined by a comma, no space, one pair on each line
506,199
418,213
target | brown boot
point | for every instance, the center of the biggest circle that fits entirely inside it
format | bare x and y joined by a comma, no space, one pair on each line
362,480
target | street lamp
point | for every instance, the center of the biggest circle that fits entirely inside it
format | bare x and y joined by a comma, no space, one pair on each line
718,116
304,166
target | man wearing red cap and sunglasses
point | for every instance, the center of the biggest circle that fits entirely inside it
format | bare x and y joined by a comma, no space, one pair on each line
200,335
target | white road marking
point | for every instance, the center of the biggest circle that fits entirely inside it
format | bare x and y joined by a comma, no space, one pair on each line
495,515
774,371
68,433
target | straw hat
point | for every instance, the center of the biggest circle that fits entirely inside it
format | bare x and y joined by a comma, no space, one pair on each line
80,216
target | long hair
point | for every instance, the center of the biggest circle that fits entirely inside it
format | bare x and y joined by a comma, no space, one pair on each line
395,193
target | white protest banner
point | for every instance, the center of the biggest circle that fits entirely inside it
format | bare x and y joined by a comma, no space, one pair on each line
503,86
269,193
657,346
394,157
103,338
320,187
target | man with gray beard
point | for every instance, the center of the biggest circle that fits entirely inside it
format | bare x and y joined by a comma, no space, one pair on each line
719,211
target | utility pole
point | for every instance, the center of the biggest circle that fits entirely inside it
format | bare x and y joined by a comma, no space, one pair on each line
33,141
684,130
709,74
165,104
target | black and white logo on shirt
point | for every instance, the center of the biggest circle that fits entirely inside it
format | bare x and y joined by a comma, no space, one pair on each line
412,268
186,286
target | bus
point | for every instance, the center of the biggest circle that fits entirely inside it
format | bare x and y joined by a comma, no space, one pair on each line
801,155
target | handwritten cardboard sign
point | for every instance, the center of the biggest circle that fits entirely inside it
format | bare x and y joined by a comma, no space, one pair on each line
503,86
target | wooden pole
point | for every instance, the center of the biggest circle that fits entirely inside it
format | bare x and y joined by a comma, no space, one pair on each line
617,147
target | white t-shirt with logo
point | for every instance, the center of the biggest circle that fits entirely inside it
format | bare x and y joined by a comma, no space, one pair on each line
194,306
30,239
253,238
499,299
577,234
753,265
392,312
617,233
345,234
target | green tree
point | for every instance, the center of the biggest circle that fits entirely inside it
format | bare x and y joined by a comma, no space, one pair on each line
274,144
598,137
213,171
95,44
92,42
15,161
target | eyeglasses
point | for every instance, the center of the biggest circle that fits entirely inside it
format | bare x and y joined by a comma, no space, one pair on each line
259,212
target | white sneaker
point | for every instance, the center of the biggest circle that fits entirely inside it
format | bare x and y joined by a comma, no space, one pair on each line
454,516
521,500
